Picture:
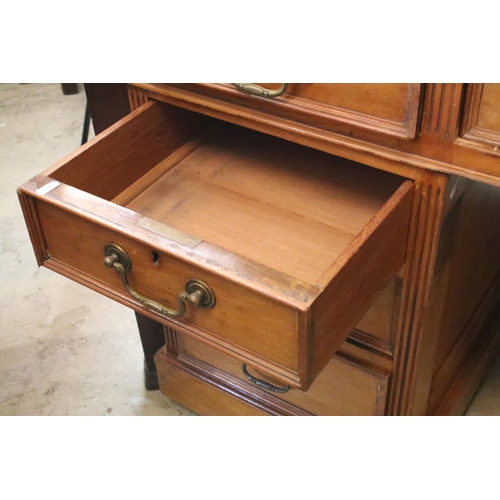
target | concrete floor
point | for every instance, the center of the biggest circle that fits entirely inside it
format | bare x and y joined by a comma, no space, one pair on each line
64,349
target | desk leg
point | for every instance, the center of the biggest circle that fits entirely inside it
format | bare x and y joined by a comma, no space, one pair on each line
152,338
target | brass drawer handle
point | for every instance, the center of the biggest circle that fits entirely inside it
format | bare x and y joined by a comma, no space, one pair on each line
252,88
197,292
262,383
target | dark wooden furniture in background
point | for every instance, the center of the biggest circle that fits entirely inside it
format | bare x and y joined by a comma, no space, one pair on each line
362,276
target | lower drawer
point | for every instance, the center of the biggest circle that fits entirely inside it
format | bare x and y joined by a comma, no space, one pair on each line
211,377
193,393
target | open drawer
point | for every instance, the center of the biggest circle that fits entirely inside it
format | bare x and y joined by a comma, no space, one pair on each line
264,249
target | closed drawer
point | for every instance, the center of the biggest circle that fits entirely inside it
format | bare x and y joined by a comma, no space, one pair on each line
294,245
388,109
344,387
481,120
189,389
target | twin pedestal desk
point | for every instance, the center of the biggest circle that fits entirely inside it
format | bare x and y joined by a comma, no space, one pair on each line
290,249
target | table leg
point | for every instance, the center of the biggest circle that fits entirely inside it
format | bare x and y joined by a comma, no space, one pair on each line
152,338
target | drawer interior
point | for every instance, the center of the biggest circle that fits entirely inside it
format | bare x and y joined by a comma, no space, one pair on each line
288,207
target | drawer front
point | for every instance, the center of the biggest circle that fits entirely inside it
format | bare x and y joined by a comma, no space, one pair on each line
388,109
294,244
481,122
233,322
343,388
191,391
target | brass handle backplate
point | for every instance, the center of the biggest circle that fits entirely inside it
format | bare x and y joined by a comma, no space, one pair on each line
262,383
197,292
252,88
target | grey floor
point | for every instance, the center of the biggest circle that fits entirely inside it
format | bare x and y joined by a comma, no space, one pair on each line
66,350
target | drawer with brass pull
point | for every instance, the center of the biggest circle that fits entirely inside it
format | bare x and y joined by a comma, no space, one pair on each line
265,250
346,386
379,111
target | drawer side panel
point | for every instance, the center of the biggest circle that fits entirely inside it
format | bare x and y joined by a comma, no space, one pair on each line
116,158
361,279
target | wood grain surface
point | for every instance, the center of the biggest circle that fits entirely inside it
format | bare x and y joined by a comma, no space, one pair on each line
309,253
390,109
280,202
438,145
343,388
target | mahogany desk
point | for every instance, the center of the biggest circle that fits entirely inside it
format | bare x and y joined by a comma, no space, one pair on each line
402,320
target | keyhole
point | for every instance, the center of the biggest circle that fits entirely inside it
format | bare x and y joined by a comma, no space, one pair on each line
156,258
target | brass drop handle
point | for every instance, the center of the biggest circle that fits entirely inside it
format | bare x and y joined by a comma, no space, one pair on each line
262,383
197,292
252,88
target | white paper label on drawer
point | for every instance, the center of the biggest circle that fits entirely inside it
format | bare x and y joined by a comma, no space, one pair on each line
48,187
169,232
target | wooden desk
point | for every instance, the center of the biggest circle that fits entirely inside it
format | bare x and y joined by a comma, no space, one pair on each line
424,342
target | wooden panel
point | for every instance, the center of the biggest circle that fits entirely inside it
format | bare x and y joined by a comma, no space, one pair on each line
384,100
471,298
274,237
280,201
33,225
472,370
383,108
441,110
247,273
137,97
159,170
489,108
343,388
464,366
321,139
113,160
360,278
234,318
200,397
482,114
429,151
304,181
475,263
414,349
